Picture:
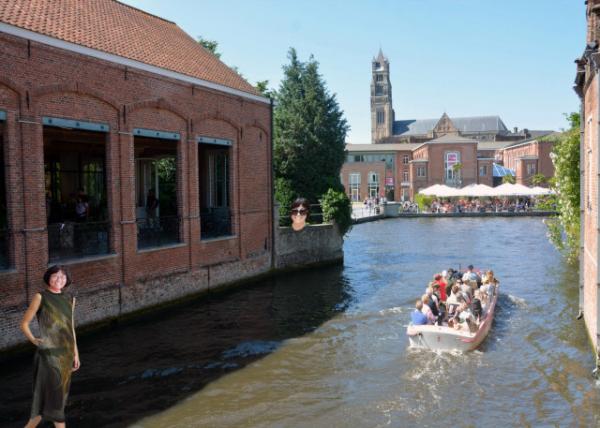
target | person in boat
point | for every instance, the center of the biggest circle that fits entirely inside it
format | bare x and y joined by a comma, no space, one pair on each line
453,303
477,306
426,309
471,275
465,290
489,283
434,305
438,281
466,319
417,317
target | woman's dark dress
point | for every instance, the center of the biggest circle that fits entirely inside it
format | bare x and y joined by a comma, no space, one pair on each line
53,361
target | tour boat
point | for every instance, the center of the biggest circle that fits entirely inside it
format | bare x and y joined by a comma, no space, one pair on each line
444,338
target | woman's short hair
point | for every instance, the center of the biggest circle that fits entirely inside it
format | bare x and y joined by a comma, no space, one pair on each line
55,269
301,202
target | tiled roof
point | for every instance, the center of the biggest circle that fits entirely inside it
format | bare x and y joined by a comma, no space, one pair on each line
122,30
391,147
451,139
471,124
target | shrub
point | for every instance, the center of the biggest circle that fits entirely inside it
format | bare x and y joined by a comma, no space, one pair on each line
423,201
337,207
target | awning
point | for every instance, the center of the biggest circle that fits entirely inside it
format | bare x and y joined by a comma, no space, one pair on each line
501,171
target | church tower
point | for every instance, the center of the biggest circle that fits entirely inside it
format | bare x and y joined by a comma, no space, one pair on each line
382,113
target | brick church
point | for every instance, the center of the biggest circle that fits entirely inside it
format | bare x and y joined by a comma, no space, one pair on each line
407,155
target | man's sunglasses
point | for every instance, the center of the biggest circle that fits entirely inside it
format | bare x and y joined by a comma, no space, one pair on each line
299,212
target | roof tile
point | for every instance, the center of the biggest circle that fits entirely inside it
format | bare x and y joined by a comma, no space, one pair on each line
119,29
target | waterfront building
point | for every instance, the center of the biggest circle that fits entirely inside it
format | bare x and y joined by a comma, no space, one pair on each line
130,154
405,156
587,86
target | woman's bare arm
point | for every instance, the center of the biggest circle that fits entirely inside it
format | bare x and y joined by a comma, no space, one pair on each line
76,362
29,314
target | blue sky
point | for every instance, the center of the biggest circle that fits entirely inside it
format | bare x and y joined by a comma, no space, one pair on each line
513,58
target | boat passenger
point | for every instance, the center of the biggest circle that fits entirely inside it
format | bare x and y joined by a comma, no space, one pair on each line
426,309
471,275
439,281
476,304
465,290
417,317
466,320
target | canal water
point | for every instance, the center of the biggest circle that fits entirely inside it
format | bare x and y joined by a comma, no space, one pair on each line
327,347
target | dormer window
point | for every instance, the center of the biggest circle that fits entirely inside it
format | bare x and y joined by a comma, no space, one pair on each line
379,78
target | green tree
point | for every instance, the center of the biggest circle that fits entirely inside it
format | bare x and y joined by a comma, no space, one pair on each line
509,179
210,45
309,132
262,86
564,229
538,179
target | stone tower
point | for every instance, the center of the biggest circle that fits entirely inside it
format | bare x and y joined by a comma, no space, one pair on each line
382,113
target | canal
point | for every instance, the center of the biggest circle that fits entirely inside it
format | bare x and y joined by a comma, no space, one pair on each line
327,347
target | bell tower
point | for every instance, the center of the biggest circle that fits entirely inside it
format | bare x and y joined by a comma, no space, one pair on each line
382,113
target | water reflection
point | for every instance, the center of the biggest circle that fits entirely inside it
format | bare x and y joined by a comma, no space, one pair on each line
144,367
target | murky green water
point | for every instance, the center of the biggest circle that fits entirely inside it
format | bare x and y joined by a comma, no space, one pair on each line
327,348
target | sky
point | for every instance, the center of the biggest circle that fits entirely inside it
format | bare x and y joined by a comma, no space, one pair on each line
511,58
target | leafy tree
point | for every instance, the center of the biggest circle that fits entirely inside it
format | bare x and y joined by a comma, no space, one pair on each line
309,132
564,229
509,179
262,86
210,45
538,179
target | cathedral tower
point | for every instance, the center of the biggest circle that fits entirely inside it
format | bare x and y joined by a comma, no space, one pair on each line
382,113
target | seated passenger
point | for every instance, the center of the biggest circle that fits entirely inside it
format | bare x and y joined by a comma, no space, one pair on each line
434,304
471,275
477,306
466,320
465,290
426,309
417,317
452,302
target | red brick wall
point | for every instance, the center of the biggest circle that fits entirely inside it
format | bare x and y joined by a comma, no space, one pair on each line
45,81
590,209
363,168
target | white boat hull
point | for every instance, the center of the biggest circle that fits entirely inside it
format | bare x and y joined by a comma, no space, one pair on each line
443,338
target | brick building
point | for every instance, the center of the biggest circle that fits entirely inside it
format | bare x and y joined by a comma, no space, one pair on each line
423,152
129,153
587,87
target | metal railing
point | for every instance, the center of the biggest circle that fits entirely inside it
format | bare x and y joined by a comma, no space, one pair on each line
70,240
215,222
157,231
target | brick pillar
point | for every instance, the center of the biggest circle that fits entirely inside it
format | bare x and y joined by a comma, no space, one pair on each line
14,194
127,201
113,190
34,203
193,203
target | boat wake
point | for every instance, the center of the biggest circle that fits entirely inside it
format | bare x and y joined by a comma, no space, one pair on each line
517,301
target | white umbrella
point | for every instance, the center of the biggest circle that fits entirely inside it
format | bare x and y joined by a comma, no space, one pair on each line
541,191
431,190
506,189
476,190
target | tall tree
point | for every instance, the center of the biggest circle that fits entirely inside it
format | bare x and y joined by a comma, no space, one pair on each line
309,133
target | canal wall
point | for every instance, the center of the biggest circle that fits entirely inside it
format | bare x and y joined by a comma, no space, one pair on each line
315,244
101,305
